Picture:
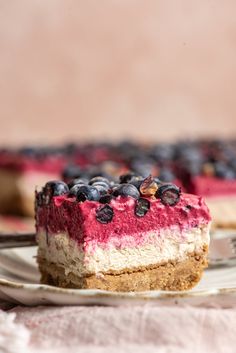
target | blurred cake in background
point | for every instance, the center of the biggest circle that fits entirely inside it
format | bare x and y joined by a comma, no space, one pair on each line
25,169
208,168
203,167
21,171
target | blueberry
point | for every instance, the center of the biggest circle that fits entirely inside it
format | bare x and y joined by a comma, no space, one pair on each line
191,154
78,181
101,183
126,190
87,192
98,173
102,190
54,188
126,178
127,150
169,194
142,206
143,166
233,164
222,170
70,148
136,181
104,214
166,175
106,198
114,186
27,151
194,168
162,152
71,172
158,181
73,191
99,179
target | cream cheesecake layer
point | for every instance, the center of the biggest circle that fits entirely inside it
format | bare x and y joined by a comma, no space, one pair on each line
63,251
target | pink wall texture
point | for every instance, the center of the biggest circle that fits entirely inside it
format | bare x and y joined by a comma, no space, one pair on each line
116,68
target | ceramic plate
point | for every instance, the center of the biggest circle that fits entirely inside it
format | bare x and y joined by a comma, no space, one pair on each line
19,283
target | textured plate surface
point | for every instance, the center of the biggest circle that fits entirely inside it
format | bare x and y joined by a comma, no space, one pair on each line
20,284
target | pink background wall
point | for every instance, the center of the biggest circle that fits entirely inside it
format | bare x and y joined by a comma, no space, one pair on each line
116,68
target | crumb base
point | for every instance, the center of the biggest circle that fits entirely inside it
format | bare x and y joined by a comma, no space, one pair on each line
172,275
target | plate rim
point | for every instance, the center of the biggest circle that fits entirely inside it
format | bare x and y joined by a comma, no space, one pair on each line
97,293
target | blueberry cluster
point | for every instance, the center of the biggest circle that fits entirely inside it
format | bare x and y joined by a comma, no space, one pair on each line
215,158
168,161
51,188
102,190
41,152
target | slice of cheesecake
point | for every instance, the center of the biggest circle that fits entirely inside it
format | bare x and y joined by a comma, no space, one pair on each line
20,173
208,169
134,236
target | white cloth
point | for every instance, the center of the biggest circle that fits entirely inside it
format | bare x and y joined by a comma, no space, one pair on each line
139,329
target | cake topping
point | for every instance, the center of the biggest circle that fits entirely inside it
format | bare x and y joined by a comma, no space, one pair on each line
158,181
106,198
126,178
126,213
142,206
101,184
87,192
169,194
101,189
166,175
126,190
181,160
104,214
71,172
222,170
78,181
99,179
54,188
136,181
75,189
148,187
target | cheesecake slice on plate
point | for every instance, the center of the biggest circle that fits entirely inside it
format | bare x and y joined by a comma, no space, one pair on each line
135,236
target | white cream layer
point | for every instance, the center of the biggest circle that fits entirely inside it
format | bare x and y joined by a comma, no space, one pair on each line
169,245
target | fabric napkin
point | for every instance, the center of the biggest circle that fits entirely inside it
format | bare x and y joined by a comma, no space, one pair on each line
138,329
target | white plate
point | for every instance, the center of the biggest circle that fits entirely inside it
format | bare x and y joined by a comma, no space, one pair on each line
21,285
